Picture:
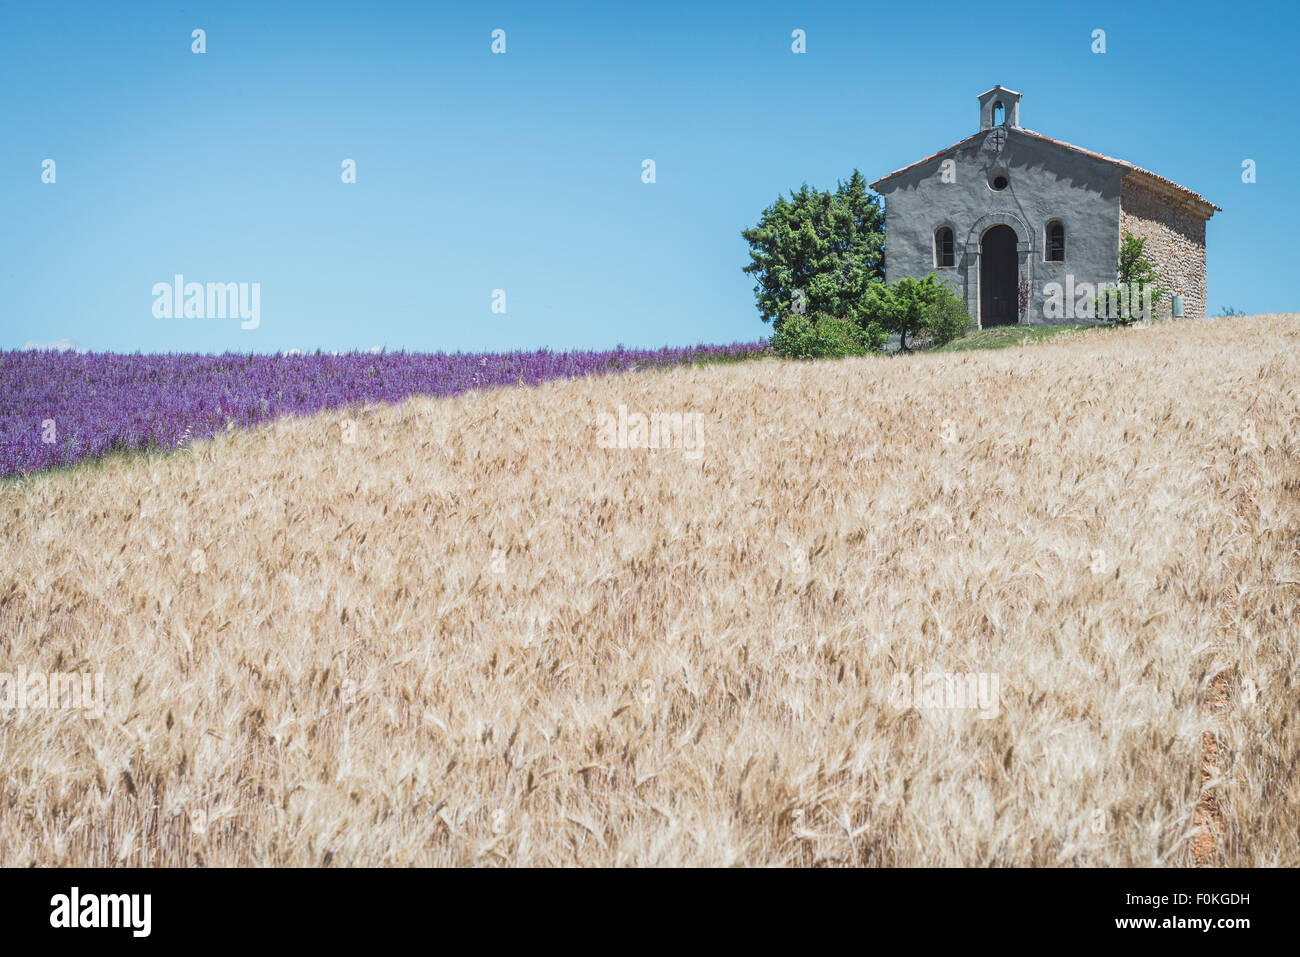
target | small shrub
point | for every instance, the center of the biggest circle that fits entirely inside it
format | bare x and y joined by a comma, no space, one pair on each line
948,320
824,337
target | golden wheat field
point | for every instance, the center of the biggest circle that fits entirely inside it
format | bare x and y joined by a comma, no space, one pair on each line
467,632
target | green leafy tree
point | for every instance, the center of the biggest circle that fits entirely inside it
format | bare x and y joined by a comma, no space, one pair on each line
817,252
911,307
1135,273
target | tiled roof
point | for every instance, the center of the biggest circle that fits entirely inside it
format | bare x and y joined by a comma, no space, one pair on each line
926,159
1144,173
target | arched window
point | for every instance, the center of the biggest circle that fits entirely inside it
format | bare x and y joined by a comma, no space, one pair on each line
943,249
999,113
1055,246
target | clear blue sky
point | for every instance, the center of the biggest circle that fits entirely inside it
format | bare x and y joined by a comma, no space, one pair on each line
523,171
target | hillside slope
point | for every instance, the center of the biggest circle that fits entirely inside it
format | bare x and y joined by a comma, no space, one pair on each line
464,631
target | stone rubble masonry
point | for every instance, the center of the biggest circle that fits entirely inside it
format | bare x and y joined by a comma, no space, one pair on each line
1175,235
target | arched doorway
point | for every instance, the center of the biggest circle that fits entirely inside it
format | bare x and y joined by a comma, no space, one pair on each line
999,278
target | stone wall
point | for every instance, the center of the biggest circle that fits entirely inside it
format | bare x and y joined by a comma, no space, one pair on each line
1175,238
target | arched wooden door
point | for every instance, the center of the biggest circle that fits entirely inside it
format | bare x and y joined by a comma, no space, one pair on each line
999,278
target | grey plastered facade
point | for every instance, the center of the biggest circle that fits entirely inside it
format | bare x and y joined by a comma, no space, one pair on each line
1045,181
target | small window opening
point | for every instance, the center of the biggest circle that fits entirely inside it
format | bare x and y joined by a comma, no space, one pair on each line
1055,242
943,247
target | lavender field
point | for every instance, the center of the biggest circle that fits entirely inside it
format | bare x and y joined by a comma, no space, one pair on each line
60,408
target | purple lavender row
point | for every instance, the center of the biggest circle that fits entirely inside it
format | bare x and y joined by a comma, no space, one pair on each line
59,408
